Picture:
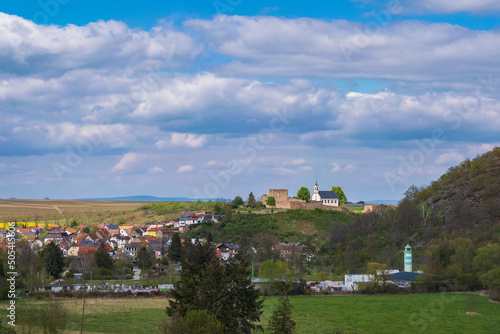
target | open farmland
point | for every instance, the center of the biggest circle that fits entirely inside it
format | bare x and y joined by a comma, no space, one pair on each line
60,211
419,313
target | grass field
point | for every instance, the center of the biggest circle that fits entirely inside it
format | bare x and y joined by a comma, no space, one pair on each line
60,211
420,313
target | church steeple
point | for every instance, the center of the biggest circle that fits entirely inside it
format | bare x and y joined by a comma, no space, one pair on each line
316,196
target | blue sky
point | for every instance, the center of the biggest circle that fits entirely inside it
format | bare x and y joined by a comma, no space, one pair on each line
217,99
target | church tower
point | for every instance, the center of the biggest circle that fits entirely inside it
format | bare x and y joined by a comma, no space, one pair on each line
316,196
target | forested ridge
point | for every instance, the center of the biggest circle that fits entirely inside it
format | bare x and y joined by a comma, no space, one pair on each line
447,223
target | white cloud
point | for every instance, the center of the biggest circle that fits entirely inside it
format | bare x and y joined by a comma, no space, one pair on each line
480,149
336,167
212,163
182,140
284,171
188,140
455,6
299,161
49,48
449,158
309,47
349,168
156,170
127,161
185,169
305,168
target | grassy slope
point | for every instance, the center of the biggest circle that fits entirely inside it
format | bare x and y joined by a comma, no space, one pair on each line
422,313
292,225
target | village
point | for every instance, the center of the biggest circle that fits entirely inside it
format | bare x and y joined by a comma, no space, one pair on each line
79,243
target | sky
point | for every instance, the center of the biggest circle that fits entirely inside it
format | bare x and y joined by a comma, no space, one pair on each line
213,99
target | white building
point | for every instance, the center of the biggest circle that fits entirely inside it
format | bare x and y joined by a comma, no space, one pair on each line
351,281
329,198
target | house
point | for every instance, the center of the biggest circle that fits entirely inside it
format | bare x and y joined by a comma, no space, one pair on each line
132,248
73,250
125,230
136,232
226,250
165,233
160,247
55,236
105,234
64,246
119,241
87,249
328,198
153,231
112,229
87,238
27,233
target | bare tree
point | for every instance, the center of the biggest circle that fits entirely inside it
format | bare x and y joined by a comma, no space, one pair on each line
425,211
83,263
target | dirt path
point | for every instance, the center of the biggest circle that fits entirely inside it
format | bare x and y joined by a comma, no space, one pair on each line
58,209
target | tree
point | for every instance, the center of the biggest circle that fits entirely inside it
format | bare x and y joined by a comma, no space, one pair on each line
84,264
340,193
237,201
281,321
425,211
271,201
204,285
380,274
144,258
175,250
30,266
53,259
54,317
195,322
86,229
102,258
251,200
304,194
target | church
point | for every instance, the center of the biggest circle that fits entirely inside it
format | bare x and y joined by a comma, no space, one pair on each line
328,198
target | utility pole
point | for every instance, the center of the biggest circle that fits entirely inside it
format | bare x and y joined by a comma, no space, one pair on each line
83,312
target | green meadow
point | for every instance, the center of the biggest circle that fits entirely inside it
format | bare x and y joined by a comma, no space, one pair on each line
418,313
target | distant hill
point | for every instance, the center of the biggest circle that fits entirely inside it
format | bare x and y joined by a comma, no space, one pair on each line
145,198
466,194
382,201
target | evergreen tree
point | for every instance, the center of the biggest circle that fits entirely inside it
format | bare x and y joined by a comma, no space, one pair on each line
102,258
204,285
251,200
144,258
281,321
53,259
175,250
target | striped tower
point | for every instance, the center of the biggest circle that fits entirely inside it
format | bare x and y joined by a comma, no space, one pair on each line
408,259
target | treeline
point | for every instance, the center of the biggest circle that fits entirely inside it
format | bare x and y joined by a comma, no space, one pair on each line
163,208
